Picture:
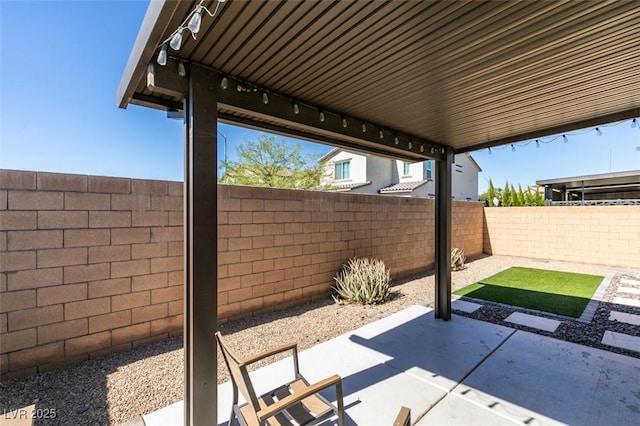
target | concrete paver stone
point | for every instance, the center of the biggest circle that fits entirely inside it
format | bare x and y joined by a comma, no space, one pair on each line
533,321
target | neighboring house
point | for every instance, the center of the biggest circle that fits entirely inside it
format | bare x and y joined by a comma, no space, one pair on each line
371,174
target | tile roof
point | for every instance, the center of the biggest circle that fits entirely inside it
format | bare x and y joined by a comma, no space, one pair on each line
348,186
403,186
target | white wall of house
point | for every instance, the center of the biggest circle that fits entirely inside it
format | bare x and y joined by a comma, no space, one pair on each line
379,172
464,182
382,172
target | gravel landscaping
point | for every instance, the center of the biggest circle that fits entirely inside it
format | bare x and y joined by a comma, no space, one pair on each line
121,387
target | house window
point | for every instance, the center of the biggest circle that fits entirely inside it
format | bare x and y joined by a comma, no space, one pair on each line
405,169
429,169
342,170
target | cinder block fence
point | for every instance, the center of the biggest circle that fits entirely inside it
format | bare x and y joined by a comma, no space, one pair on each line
91,265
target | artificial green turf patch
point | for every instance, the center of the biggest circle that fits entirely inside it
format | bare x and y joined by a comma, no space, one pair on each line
562,293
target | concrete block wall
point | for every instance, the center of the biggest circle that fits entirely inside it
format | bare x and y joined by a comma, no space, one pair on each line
604,235
278,247
89,265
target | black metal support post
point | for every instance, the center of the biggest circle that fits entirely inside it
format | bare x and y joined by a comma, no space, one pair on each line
443,237
200,248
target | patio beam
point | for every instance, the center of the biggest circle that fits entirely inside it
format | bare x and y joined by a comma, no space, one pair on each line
166,80
200,248
443,237
238,99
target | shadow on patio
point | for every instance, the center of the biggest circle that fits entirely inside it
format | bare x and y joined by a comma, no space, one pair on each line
463,371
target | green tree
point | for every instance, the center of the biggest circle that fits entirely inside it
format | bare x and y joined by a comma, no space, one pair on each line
506,195
272,163
491,193
518,196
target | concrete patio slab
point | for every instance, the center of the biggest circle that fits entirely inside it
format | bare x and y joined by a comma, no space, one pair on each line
481,410
557,381
624,317
437,352
533,321
461,371
464,306
621,340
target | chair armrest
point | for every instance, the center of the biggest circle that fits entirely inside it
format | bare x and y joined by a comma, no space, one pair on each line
270,352
404,417
271,410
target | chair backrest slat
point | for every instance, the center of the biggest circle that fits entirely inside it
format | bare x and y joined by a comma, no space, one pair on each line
239,373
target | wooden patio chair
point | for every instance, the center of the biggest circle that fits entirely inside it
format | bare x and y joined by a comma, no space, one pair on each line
404,417
295,402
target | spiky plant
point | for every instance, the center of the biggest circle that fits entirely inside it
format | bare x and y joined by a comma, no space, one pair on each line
363,280
457,259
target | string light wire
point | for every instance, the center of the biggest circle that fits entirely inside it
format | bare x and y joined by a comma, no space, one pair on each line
192,23
565,137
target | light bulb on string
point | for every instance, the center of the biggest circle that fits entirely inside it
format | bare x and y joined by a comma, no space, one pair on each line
162,56
176,40
598,131
634,123
513,148
196,20
537,143
489,150
565,139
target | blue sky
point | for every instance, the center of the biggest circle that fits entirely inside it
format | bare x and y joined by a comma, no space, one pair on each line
60,66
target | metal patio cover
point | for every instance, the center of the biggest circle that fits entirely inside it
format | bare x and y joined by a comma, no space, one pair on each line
411,79
465,74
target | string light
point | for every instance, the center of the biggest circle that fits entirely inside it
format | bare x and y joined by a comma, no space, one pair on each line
192,22
344,122
162,56
364,128
322,116
296,109
176,39
381,135
224,83
635,123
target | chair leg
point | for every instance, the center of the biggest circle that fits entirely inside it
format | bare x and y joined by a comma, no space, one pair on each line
233,405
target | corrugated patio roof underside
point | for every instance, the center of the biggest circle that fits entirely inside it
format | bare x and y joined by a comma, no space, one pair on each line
464,74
